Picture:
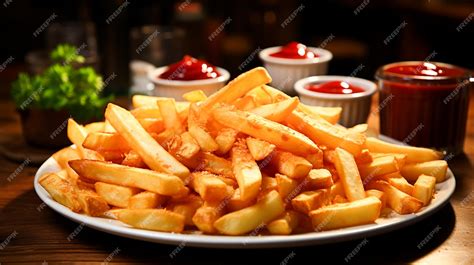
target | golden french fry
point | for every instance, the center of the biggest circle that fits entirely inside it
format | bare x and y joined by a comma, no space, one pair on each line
139,140
323,132
330,114
95,127
307,201
211,188
284,225
205,217
236,202
77,134
244,221
139,101
363,211
378,167
400,158
216,165
261,128
91,203
259,149
360,128
197,128
260,96
365,157
133,159
397,200
401,184
378,194
100,141
152,125
145,179
246,171
237,88
291,165
424,189
414,154
268,183
225,139
146,200
436,168
148,112
336,190
186,207
184,148
318,179
316,159
171,120
115,195
152,219
64,155
349,175
277,111
61,191
287,187
195,96
245,103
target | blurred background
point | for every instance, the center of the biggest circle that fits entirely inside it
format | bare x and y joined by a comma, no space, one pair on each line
110,34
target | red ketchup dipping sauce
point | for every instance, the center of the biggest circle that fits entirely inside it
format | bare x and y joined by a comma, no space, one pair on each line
424,104
190,68
335,87
294,50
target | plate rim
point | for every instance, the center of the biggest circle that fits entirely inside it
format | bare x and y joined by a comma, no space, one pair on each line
220,241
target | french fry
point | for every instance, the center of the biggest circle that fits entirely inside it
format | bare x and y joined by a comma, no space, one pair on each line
61,191
336,190
139,140
197,128
397,200
261,128
363,211
171,120
115,195
225,139
287,187
436,168
139,101
277,111
205,217
146,200
401,184
366,157
284,225
95,127
195,96
378,194
330,114
148,112
64,155
211,188
245,103
400,158
237,88
269,183
319,179
152,125
145,179
246,171
259,149
152,219
133,159
108,127
243,221
236,202
310,200
186,207
424,188
91,203
260,96
378,167
414,154
184,148
216,165
291,165
359,128
100,141
349,174
323,132
77,134
316,159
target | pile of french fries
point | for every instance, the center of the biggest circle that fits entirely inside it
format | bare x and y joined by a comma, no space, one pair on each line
247,159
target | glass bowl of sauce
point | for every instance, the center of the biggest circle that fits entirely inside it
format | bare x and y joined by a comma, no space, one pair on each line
293,61
186,75
424,104
352,94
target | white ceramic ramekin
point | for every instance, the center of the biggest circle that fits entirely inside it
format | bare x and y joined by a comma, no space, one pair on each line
285,72
355,107
176,88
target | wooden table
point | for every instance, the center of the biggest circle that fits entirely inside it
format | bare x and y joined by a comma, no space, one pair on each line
33,233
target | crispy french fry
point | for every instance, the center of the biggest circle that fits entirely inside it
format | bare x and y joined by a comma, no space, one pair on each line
100,141
287,187
378,167
401,184
261,128
436,168
211,188
319,179
197,128
323,132
236,202
310,200
336,190
64,155
378,194
284,225
171,120
316,159
400,158
414,154
246,171
77,134
95,127
245,103
61,191
152,125
139,101
115,195
245,220
397,200
277,111
152,219
360,128
186,207
145,179
424,188
260,95
330,114
184,148
146,200
205,217
195,96
133,159
349,174
139,140
225,139
363,211
148,112
259,149
269,183
91,203
216,165
365,157
291,165
237,88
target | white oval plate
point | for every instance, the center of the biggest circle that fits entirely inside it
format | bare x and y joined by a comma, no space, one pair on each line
444,191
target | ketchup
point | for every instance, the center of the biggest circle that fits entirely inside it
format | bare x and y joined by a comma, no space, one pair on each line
294,50
335,87
190,68
424,104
